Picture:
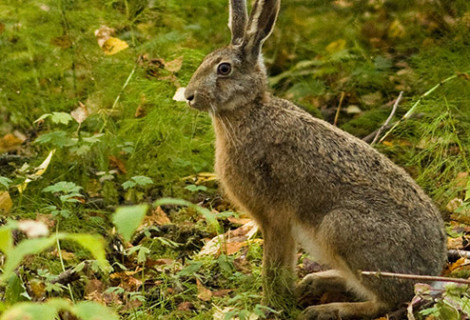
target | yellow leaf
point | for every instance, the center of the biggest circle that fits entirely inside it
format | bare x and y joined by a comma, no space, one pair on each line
5,202
396,30
39,172
336,46
113,46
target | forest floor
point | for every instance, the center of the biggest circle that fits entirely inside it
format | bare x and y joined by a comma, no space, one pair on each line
107,196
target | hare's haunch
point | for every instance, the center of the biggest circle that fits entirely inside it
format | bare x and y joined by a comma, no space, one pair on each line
307,182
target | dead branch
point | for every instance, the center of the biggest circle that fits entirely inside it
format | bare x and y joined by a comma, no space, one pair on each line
458,254
339,108
66,277
386,123
413,277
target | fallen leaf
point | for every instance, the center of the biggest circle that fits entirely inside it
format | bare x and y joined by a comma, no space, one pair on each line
110,45
139,112
230,242
221,293
174,65
33,229
126,280
117,163
102,34
352,109
239,221
113,46
186,306
10,142
179,95
5,202
201,178
80,114
158,217
202,292
396,30
336,46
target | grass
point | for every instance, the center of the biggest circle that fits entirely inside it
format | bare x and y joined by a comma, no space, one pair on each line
367,51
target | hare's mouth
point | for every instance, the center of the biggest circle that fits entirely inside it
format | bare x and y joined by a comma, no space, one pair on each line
198,106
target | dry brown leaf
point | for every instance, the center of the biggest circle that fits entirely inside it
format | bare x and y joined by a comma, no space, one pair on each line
80,114
239,221
174,65
126,280
221,292
159,216
230,242
5,202
454,243
10,142
203,293
186,306
102,34
140,112
117,163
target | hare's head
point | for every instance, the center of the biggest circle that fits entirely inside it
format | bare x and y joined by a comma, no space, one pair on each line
235,75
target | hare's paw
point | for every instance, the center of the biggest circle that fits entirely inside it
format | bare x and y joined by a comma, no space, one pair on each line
322,312
310,288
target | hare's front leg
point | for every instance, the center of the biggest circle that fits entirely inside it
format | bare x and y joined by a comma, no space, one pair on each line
278,265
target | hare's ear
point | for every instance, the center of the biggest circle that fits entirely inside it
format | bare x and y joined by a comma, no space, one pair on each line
261,23
237,20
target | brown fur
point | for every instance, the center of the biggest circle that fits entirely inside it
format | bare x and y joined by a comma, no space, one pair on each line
305,181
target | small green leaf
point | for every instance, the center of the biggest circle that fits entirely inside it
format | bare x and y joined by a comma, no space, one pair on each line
467,191
4,181
128,184
128,219
64,187
88,310
57,138
61,117
93,243
142,180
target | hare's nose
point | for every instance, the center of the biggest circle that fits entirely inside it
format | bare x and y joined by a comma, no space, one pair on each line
189,94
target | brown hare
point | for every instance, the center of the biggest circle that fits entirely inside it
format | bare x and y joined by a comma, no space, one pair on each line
307,182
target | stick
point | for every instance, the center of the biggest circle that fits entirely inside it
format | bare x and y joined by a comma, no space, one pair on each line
339,108
394,109
458,254
413,277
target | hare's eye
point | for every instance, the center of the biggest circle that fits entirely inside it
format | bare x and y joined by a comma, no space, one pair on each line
224,69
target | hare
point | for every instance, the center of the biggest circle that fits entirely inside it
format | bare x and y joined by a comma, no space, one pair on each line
307,182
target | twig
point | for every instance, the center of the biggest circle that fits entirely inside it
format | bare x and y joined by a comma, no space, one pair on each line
424,95
66,277
458,254
394,109
412,277
339,108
